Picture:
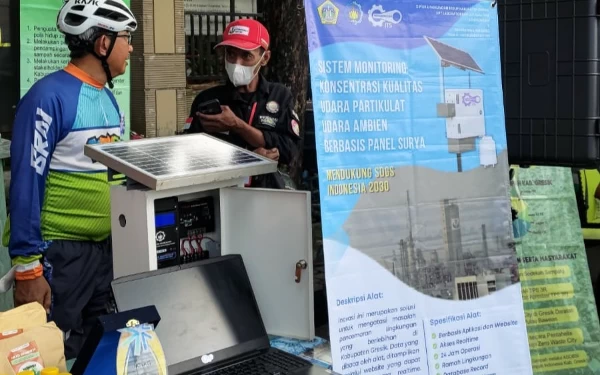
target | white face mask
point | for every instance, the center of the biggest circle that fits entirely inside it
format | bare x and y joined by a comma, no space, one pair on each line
241,75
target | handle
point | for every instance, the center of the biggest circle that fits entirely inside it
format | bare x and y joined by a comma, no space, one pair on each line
300,265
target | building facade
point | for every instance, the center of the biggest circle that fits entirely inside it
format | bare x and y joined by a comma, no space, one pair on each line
173,58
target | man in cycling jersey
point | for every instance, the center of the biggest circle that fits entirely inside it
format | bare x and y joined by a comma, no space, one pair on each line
59,198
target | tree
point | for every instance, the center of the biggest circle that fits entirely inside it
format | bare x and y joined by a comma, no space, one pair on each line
286,22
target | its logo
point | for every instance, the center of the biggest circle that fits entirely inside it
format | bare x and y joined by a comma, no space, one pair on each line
469,99
105,26
39,146
160,236
207,358
295,127
268,120
86,2
455,223
239,30
328,13
355,13
380,18
132,323
103,139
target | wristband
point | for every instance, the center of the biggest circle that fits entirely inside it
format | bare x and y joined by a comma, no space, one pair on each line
30,271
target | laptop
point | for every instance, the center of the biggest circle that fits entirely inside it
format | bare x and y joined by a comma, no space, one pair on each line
210,320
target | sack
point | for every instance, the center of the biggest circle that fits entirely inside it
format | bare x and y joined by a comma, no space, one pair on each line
27,341
32,349
23,317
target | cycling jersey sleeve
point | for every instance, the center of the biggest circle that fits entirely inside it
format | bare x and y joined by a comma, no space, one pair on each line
36,132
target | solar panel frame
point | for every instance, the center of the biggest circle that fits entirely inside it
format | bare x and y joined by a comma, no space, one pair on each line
468,63
214,169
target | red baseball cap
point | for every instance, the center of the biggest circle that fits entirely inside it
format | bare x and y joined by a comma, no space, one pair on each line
246,34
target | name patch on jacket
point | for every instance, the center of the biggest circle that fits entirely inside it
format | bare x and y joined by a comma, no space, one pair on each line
268,121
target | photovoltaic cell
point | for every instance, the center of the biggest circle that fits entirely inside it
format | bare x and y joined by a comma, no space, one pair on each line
453,56
175,157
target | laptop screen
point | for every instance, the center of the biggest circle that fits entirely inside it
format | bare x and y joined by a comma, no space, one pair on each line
205,308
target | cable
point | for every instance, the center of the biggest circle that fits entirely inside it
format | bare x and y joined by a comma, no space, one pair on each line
186,254
205,254
208,238
197,249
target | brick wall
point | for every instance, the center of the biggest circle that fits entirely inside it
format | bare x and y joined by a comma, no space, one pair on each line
158,85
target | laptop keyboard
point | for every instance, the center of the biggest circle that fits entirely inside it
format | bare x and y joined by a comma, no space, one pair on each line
273,362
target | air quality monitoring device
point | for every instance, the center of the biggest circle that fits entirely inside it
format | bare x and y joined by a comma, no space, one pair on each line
463,107
182,199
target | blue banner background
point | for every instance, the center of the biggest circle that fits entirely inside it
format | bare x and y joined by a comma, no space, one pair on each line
416,240
402,42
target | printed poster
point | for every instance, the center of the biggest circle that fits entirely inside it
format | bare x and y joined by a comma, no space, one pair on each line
422,273
560,309
44,51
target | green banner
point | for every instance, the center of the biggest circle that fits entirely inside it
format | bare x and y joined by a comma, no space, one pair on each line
43,50
560,310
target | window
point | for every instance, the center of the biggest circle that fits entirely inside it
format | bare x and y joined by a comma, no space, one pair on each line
9,54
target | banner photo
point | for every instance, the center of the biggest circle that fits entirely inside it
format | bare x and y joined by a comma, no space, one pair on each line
422,274
560,309
44,51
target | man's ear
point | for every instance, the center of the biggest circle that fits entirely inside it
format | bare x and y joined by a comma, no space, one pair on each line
102,44
266,58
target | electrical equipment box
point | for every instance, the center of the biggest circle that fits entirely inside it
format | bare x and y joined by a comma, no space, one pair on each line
189,189
468,120
462,107
166,232
196,226
488,155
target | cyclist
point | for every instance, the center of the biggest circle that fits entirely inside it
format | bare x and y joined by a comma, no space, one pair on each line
59,199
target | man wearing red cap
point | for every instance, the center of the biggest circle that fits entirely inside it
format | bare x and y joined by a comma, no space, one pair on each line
256,114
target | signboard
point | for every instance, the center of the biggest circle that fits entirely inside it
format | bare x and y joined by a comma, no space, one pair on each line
560,310
43,50
219,6
215,23
422,277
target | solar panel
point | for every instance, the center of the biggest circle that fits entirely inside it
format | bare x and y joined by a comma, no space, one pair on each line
179,161
453,56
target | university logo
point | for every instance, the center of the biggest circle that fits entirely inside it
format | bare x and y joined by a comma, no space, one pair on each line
328,13
355,13
381,18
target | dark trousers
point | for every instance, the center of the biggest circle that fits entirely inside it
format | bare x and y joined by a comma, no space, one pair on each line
79,274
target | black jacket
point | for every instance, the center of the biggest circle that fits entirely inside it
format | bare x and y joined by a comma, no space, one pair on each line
270,109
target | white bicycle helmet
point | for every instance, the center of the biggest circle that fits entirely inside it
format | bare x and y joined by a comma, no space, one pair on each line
78,16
